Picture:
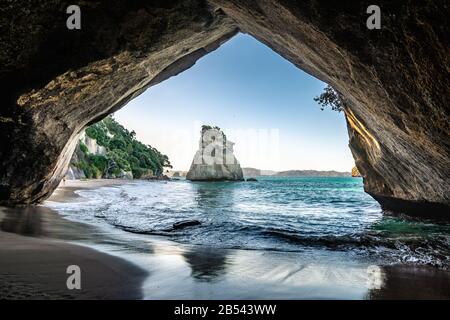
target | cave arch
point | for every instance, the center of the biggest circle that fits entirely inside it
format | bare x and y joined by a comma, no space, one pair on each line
395,80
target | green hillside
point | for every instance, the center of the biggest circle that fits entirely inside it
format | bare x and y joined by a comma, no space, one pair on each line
123,153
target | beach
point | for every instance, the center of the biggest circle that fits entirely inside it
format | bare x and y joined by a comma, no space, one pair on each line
65,190
37,244
33,266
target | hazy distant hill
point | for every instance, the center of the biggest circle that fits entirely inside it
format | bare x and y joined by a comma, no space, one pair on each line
253,172
312,173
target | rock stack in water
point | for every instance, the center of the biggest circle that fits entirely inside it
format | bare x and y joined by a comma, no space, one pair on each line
214,161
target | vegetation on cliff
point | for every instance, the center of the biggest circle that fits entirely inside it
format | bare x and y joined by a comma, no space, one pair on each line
123,153
330,97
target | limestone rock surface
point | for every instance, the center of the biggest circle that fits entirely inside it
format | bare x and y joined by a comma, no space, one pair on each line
214,160
395,80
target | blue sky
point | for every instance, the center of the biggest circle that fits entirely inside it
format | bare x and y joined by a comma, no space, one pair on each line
263,102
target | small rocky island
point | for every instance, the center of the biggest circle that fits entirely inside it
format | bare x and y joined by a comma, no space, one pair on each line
214,160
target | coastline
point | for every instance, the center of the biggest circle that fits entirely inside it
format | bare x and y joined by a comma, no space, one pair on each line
33,266
66,190
37,244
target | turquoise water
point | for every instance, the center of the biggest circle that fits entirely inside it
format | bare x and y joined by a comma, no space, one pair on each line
274,213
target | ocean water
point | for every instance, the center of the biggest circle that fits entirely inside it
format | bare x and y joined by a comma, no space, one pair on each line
306,214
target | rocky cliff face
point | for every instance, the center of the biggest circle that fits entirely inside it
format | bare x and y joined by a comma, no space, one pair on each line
75,171
58,81
214,160
395,80
92,146
355,172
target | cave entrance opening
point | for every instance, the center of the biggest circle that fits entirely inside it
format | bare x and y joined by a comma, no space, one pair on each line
263,103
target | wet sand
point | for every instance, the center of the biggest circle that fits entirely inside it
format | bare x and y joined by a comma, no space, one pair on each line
66,190
33,268
32,265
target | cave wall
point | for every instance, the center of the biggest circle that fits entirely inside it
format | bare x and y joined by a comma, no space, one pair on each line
58,81
395,80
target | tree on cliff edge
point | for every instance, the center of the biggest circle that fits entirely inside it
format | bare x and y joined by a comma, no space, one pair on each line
330,97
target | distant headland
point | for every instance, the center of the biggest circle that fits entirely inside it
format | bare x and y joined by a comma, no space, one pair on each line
252,172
